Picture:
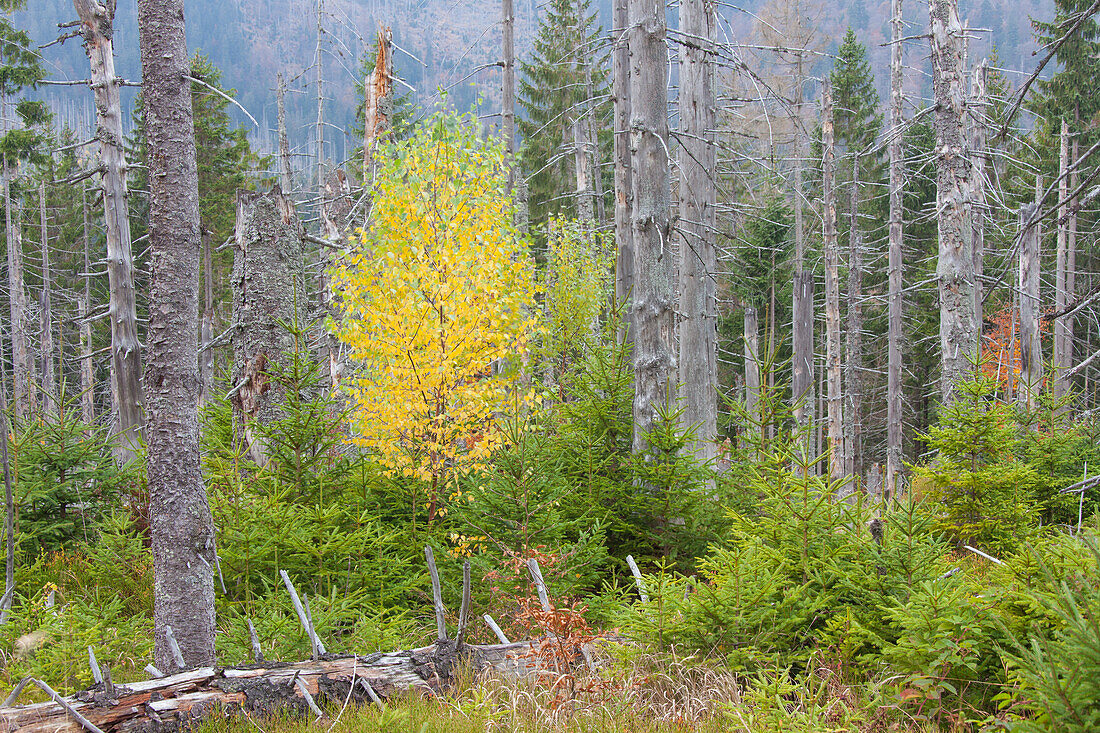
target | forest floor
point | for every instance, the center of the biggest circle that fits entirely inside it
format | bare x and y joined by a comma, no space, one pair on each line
653,697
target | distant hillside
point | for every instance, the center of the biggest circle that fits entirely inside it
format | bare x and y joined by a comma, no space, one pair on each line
455,44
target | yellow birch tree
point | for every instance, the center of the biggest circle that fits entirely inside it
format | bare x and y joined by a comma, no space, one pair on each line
437,305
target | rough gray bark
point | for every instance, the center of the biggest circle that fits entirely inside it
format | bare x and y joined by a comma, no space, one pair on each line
319,161
624,188
508,86
585,204
752,370
955,266
267,293
286,179
87,368
833,373
654,365
9,498
336,206
853,366
47,350
980,165
127,399
181,526
1031,352
1063,346
894,464
23,398
698,315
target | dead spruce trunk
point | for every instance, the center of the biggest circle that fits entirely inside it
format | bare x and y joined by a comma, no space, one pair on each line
336,207
181,526
47,349
955,266
624,187
268,292
127,398
894,328
23,398
652,310
833,373
1031,350
698,327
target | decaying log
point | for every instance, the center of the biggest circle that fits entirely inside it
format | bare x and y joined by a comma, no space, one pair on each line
171,703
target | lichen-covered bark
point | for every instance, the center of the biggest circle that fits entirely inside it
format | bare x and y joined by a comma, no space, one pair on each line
267,297
832,298
181,526
127,399
698,327
955,266
1031,351
894,324
654,365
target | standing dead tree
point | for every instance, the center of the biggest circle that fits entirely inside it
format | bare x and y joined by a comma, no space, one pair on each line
127,398
267,298
624,189
894,317
833,373
955,266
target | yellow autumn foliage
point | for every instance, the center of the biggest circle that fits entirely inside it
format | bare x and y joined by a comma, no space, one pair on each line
437,305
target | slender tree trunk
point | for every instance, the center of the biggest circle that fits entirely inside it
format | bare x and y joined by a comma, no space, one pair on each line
833,373
802,306
23,398
87,368
9,497
320,140
1031,353
580,158
508,87
698,357
206,336
955,267
894,325
624,188
181,526
654,365
286,179
48,372
336,205
594,156
127,400
267,286
853,368
1061,292
1071,260
752,371
980,211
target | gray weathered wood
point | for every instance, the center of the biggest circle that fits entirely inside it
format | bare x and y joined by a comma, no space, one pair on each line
508,86
437,595
894,455
1063,343
464,608
540,584
174,647
97,674
638,579
47,352
624,190
1031,353
254,640
303,618
833,374
955,265
67,706
496,629
127,396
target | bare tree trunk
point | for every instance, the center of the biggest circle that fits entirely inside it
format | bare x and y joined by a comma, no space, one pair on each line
47,349
580,159
375,119
127,400
955,267
698,358
23,397
1062,345
838,458
624,189
9,497
87,368
1031,353
654,365
853,367
979,156
286,178
181,526
802,306
752,371
894,328
336,205
594,157
320,141
508,87
206,336
267,287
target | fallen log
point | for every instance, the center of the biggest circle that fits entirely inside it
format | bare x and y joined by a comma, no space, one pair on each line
174,702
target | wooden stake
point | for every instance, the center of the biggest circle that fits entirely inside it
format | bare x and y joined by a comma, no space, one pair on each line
437,595
540,585
464,609
496,629
637,578
257,653
97,675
